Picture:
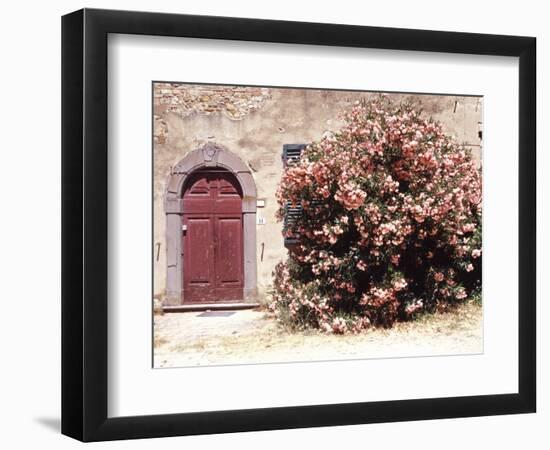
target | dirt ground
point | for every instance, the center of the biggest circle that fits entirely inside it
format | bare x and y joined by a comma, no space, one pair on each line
250,337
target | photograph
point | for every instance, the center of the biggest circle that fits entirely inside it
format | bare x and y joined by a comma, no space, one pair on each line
304,224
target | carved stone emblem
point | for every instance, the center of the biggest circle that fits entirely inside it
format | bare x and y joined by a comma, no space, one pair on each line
209,152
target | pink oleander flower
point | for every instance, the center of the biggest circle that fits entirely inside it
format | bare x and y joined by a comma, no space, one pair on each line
413,307
461,294
399,284
339,325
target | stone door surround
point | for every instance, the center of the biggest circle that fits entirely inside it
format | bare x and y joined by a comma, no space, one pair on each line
210,155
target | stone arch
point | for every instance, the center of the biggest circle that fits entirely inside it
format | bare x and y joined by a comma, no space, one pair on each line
210,155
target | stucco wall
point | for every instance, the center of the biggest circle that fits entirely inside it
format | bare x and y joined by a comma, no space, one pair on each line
254,123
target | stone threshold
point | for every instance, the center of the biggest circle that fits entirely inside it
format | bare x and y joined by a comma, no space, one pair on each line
209,307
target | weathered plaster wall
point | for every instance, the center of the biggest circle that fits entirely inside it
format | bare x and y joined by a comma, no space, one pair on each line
254,123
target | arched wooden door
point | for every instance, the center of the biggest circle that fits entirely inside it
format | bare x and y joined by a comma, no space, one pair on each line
212,238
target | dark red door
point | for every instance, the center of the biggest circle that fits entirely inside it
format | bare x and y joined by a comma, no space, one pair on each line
212,238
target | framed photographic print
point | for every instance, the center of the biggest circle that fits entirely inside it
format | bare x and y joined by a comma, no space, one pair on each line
273,224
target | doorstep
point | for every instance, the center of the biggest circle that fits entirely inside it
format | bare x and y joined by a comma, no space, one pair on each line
208,306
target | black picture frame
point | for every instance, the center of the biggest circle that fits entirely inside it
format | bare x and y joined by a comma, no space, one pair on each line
84,224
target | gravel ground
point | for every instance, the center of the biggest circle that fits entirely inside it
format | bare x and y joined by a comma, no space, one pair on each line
250,337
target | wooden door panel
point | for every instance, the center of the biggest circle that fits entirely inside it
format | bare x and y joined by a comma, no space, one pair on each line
229,251
199,257
199,236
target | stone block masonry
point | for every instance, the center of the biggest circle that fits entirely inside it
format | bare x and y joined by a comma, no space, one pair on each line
184,100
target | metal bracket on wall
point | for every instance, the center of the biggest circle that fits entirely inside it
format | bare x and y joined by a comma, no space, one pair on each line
158,250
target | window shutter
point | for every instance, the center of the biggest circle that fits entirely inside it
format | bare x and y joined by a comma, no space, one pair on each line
291,154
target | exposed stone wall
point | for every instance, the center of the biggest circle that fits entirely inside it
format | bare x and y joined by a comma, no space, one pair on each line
254,123
234,102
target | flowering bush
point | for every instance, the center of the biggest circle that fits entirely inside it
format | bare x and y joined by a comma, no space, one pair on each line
390,223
